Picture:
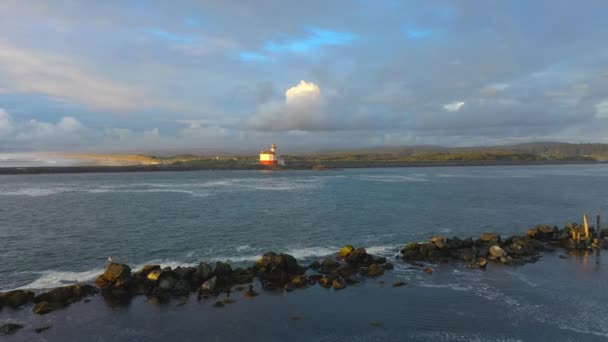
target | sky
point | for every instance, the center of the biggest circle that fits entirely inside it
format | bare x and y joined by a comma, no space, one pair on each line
236,76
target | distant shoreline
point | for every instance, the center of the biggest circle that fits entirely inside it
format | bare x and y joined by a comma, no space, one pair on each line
299,165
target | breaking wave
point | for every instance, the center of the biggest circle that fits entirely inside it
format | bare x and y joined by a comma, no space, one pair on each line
55,278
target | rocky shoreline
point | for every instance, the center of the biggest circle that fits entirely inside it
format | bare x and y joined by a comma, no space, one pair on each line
282,272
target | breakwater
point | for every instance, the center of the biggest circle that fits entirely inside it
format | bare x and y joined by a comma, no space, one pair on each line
281,272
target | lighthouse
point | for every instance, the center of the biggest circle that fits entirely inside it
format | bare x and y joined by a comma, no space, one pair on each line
269,157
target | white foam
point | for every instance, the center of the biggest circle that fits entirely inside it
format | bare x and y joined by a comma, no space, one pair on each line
310,252
391,178
50,279
243,248
32,192
383,250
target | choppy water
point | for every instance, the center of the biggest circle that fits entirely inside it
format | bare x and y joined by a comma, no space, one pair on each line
56,229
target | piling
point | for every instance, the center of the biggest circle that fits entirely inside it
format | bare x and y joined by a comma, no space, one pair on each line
598,228
586,223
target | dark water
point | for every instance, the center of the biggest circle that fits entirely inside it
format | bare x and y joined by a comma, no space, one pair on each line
57,229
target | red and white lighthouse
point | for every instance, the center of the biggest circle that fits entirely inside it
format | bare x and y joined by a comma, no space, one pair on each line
269,157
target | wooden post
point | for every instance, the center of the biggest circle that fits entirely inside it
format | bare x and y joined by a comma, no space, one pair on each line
598,229
586,223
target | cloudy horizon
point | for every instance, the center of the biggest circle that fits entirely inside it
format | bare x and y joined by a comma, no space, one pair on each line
235,76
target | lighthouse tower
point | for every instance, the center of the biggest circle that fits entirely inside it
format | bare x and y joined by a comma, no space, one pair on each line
269,157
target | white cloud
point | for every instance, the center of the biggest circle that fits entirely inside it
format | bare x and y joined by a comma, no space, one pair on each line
6,126
68,132
62,78
454,106
601,110
304,109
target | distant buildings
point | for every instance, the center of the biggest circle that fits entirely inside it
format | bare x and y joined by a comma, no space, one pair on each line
269,157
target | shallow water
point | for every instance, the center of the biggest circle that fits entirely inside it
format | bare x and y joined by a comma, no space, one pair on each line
57,229
534,302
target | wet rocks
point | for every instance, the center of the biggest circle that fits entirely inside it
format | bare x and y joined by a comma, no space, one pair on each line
250,293
16,298
338,284
359,257
299,281
203,272
222,269
345,251
61,297
275,270
208,287
326,282
398,284
115,276
373,270
497,252
328,266
479,263
438,241
167,279
490,238
542,232
241,276
10,328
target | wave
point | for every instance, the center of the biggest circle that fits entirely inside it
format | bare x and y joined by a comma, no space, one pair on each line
391,178
56,278
50,279
201,189
33,192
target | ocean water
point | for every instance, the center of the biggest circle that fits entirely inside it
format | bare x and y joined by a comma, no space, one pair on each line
58,229
61,228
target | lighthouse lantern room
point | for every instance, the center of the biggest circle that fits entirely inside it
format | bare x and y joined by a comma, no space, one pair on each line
269,157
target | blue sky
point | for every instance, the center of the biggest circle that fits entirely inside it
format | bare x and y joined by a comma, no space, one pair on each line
201,76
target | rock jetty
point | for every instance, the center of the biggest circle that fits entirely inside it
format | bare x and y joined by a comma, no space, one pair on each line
282,272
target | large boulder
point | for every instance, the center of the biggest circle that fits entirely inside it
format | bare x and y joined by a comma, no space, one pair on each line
61,297
284,262
454,243
275,270
208,287
328,266
167,279
543,232
345,251
438,241
490,238
16,298
181,288
241,276
497,252
359,256
222,269
67,294
115,275
373,270
203,272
